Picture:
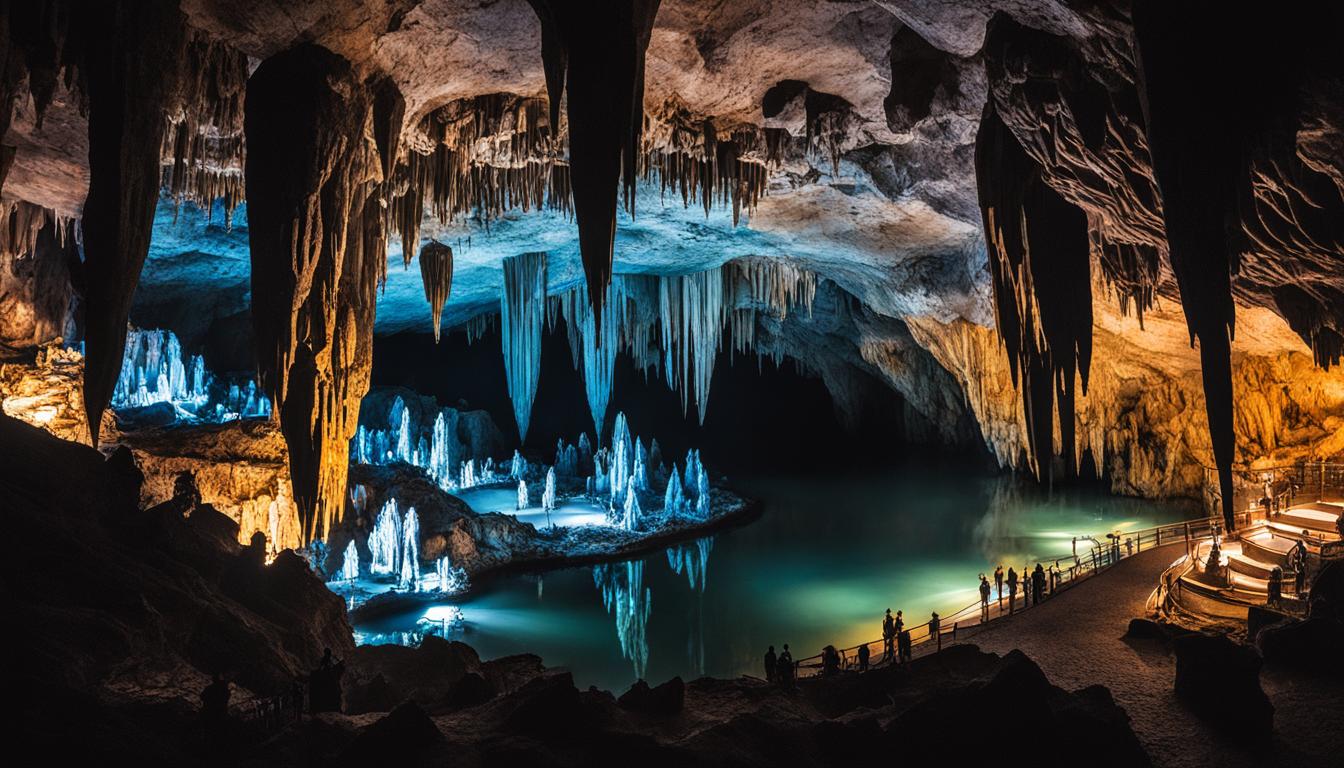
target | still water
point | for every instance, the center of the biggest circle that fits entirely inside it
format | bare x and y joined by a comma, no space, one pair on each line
828,555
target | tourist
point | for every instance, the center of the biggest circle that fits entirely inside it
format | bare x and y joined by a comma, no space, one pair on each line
904,652
215,702
998,584
1012,589
1037,584
324,686
1300,580
770,664
296,699
984,598
899,623
934,630
888,635
1129,547
1275,587
863,657
830,661
784,667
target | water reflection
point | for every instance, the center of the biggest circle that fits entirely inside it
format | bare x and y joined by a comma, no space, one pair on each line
692,561
624,594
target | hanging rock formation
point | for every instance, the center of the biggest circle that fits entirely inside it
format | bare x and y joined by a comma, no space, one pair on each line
522,311
131,77
318,248
595,53
1040,266
436,271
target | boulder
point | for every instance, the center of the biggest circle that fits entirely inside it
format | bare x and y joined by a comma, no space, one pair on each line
1314,646
663,701
400,738
1219,680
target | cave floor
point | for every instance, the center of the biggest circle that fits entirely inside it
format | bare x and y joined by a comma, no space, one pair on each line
1308,713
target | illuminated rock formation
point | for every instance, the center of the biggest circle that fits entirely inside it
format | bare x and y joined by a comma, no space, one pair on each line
318,248
436,270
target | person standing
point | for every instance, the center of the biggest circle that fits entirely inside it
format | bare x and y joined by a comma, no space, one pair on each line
935,630
863,657
770,664
1275,587
1037,584
984,599
998,584
888,636
784,667
1012,589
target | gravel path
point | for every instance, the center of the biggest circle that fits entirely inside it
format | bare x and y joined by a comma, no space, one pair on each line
1076,639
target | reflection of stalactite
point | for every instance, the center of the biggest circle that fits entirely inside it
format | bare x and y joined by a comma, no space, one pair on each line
626,597
599,47
436,272
131,73
318,248
692,561
1040,267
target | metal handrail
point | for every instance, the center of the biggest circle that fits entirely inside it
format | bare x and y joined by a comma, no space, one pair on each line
1097,560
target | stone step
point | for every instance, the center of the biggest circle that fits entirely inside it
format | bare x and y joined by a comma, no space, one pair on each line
1319,516
1249,566
1267,549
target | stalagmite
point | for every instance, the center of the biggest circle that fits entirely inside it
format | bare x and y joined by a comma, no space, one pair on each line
595,52
467,477
410,551
318,250
350,562
548,495
640,473
585,448
566,459
703,509
436,272
621,461
385,541
522,311
132,80
523,502
630,520
674,499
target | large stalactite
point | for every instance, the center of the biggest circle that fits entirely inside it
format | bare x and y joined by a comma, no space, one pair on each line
595,50
1040,265
132,81
318,246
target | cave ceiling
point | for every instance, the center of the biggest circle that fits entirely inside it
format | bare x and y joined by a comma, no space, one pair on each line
844,136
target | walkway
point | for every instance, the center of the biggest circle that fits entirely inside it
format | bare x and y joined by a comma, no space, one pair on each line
1076,638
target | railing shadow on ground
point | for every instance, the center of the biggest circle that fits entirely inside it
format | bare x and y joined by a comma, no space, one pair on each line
966,621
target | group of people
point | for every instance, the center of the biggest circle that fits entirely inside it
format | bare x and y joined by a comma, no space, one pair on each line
1034,584
324,695
779,669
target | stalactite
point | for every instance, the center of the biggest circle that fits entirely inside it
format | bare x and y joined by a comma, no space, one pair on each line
318,247
600,47
436,272
699,164
1039,256
1188,82
132,77
522,311
202,152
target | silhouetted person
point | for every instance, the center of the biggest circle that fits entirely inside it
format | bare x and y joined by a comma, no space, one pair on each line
770,664
898,624
1026,586
1275,587
888,635
863,657
1037,584
830,661
784,667
903,646
984,598
215,701
1012,589
1300,580
296,700
935,626
256,550
998,583
324,686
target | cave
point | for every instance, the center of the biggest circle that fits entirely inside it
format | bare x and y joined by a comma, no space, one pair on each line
759,383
